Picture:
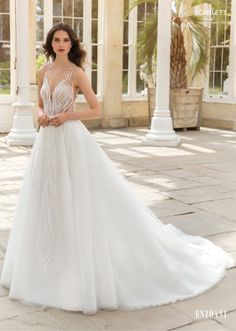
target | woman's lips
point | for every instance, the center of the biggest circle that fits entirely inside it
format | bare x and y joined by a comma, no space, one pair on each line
61,50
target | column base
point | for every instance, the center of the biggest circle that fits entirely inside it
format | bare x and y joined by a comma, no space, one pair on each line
156,139
23,131
20,139
161,132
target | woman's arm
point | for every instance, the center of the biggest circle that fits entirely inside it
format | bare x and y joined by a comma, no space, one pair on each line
83,84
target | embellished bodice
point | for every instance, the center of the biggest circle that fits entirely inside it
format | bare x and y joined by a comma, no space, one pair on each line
61,99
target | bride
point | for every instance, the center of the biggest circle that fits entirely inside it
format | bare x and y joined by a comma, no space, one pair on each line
81,239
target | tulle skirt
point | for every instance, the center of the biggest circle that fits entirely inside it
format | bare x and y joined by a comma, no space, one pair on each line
82,240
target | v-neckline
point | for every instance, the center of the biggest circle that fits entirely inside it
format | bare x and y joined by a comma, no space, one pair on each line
56,86
51,93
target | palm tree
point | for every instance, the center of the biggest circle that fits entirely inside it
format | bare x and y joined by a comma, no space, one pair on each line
182,23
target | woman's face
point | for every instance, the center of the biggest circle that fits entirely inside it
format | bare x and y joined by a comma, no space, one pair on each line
61,43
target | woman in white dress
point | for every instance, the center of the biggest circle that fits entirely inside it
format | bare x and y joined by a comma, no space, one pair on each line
81,239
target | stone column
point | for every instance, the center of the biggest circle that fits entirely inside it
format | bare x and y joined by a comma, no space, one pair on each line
48,16
113,41
23,131
32,42
161,132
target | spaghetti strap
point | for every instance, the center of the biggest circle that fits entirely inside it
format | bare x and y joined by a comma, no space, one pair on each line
45,70
68,77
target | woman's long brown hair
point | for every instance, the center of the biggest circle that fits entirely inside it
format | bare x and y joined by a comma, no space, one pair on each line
76,54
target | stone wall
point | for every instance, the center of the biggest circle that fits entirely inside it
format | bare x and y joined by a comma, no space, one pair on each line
219,115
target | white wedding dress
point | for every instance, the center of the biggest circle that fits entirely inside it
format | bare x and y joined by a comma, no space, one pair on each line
82,240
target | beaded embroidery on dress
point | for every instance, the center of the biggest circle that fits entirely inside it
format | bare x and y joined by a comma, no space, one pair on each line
82,240
61,98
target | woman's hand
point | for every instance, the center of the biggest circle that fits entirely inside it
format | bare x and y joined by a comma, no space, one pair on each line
58,119
43,120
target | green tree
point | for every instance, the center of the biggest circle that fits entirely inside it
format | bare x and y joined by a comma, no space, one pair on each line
181,23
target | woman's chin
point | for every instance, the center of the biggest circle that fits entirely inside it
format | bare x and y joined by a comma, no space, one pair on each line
61,53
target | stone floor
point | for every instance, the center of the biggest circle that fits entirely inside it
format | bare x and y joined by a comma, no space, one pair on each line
193,187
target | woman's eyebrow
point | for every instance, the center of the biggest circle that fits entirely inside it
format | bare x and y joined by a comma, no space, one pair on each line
61,38
57,38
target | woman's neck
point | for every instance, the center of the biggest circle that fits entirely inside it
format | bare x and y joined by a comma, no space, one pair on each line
62,62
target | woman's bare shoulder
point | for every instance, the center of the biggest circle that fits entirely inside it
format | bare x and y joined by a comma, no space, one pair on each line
79,71
42,69
79,76
41,73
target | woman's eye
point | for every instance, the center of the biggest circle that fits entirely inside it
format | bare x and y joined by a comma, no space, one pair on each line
57,40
